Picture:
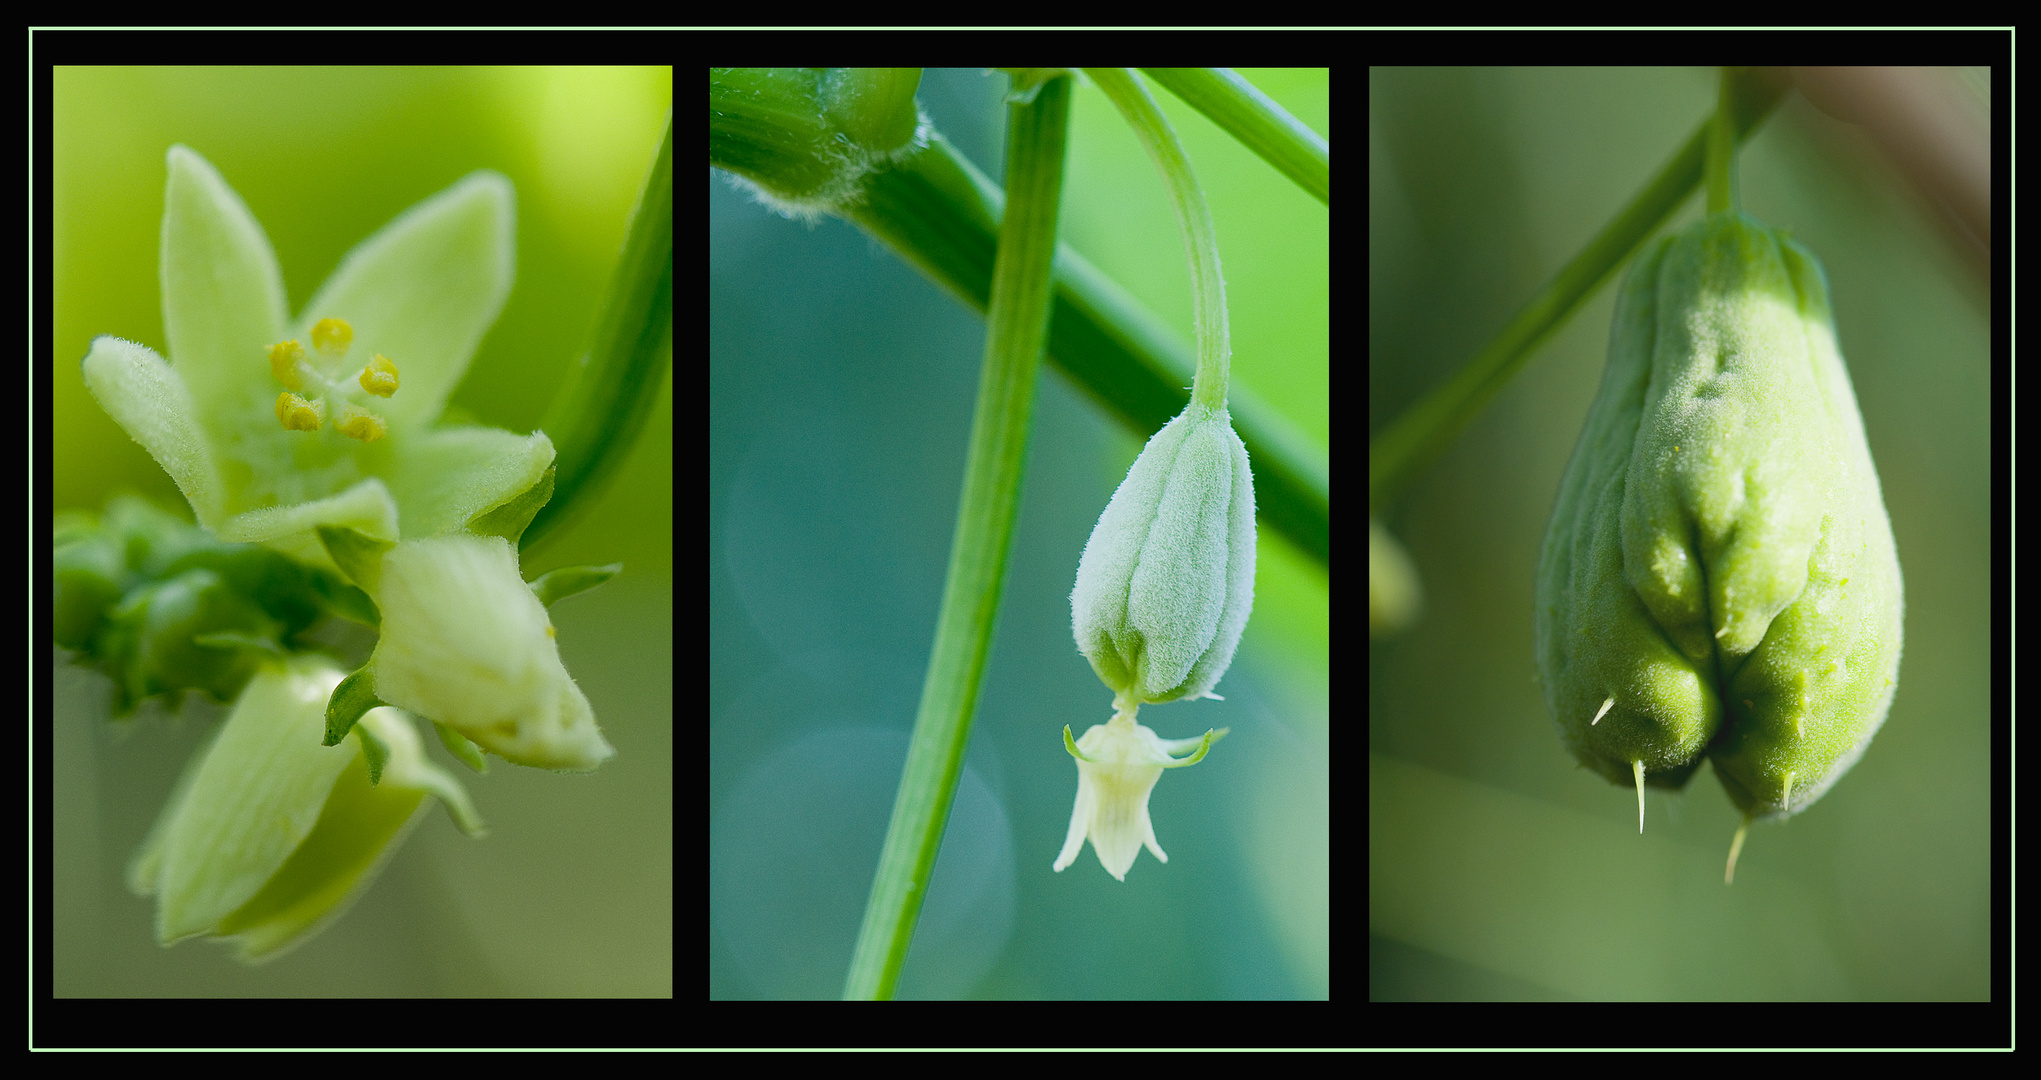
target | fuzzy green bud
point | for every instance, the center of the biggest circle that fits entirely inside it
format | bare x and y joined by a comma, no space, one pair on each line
1166,582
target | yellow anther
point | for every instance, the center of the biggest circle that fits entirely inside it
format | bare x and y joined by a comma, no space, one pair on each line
297,414
332,336
550,632
380,377
357,423
283,363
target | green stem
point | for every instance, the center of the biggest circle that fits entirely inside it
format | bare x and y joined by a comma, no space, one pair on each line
595,420
1016,329
1428,427
1258,122
1194,220
1722,147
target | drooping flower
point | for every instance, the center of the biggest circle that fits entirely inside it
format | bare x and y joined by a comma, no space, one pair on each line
273,425
271,835
1118,763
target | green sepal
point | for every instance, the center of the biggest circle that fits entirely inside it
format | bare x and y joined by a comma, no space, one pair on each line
1211,736
359,555
557,585
355,695
375,753
511,519
1070,744
458,745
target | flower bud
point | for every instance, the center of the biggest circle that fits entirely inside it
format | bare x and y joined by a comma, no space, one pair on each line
466,643
1167,579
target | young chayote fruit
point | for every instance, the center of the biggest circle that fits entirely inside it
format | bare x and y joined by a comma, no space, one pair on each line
1719,578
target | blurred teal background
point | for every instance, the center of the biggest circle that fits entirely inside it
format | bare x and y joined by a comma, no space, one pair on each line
842,385
571,894
1499,870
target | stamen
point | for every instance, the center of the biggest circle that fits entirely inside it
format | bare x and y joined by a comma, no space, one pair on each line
380,377
283,363
297,414
332,336
359,423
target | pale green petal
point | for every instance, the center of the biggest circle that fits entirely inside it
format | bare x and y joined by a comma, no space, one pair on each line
254,800
223,295
426,288
447,477
366,507
151,402
359,829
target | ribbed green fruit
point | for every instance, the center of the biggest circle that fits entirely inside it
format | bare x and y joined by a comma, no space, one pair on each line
1719,577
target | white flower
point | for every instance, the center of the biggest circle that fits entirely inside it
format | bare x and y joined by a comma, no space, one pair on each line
1118,763
467,644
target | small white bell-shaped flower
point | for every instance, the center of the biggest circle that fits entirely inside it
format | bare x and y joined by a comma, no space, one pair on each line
1118,763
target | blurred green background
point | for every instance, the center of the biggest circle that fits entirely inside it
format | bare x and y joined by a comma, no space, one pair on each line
571,894
841,392
1499,870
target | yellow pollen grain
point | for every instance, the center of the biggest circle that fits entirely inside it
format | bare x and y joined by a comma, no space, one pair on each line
361,424
380,377
297,414
332,336
283,363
